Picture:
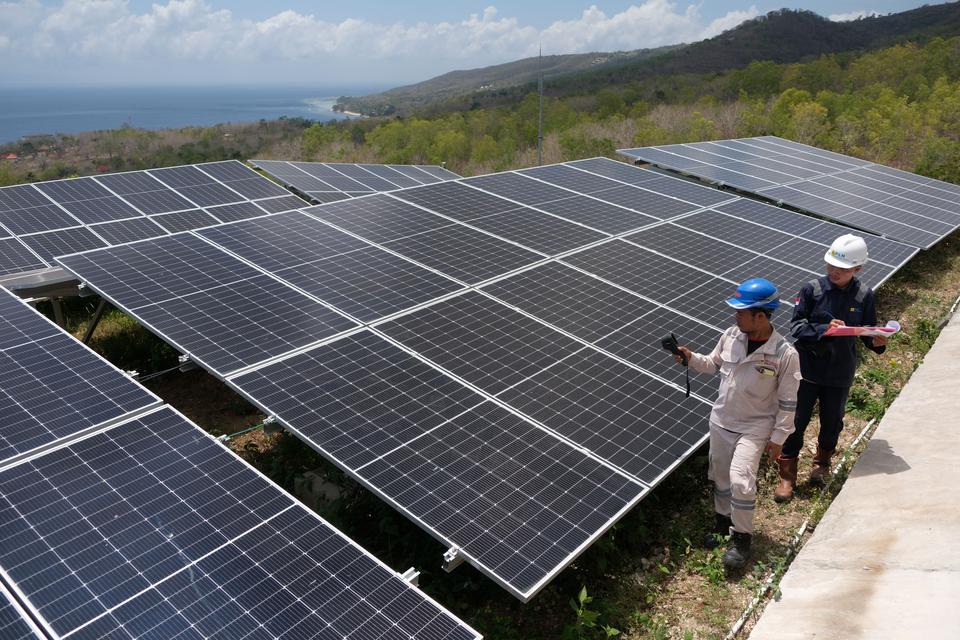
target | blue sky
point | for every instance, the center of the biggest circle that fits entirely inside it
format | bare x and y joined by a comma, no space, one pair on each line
361,41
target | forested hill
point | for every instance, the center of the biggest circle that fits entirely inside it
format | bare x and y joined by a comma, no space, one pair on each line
781,36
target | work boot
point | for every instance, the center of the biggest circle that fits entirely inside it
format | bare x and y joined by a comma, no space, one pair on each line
821,467
738,551
788,479
721,529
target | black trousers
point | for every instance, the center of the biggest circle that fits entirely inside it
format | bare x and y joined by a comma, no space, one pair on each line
833,401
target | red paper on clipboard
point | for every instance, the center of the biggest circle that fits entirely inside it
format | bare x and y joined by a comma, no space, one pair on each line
891,328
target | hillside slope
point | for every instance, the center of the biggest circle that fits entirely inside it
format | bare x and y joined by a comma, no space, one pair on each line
781,36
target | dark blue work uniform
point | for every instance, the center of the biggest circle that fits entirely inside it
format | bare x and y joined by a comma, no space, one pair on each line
827,364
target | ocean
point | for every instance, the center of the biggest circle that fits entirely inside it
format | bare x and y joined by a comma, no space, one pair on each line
39,110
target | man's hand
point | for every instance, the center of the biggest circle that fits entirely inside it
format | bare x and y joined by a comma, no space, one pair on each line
879,341
836,322
773,450
686,354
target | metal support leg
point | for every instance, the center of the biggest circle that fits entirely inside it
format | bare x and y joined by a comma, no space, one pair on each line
95,320
58,312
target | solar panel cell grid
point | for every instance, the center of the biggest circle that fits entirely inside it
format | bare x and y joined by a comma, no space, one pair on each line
13,624
184,220
646,202
21,197
481,340
417,173
618,413
34,219
787,278
538,231
649,274
123,231
394,176
16,258
277,205
237,211
179,177
570,300
163,201
369,283
127,183
283,241
206,195
639,343
550,498
358,397
693,248
61,242
122,531
73,190
19,324
465,254
518,187
227,328
378,218
597,214
371,181
574,179
100,209
707,302
457,201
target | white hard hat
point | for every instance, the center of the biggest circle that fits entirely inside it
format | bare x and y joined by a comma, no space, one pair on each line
847,251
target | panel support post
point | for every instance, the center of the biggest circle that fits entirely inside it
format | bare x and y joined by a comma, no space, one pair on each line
58,313
95,320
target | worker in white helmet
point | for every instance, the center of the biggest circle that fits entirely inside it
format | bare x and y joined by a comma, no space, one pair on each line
827,363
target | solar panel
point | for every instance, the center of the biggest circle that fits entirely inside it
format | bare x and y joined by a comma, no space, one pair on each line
647,202
85,213
15,257
49,244
515,501
639,344
575,302
332,181
693,248
642,271
218,310
369,284
282,241
14,623
519,188
278,205
378,218
145,192
457,201
538,231
51,386
236,211
151,529
900,205
184,220
462,253
347,273
87,200
621,415
597,214
480,340
124,231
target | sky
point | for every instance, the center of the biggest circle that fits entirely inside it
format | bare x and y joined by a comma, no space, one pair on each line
210,42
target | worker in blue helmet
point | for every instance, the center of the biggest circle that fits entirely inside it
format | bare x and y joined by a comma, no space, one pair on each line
753,413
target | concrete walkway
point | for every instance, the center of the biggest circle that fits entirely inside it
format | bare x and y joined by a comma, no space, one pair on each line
884,562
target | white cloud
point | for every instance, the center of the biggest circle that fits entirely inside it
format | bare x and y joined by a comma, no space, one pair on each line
188,34
853,15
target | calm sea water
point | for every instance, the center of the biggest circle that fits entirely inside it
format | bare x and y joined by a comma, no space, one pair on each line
33,110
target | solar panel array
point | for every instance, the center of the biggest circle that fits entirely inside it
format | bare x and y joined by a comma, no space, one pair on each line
904,206
332,181
482,353
143,526
46,219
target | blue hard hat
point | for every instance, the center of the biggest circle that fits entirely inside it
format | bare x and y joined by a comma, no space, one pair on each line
755,293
